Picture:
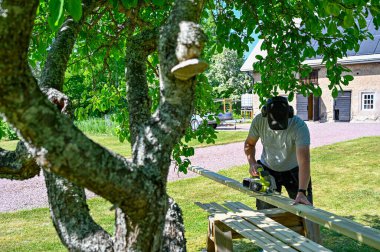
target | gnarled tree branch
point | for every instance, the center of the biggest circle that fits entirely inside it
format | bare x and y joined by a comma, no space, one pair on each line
169,122
68,207
138,189
70,214
18,164
54,140
56,64
154,142
138,49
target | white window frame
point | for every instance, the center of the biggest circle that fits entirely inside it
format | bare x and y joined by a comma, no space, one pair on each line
368,103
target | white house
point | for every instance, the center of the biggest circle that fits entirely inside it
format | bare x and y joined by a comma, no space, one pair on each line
360,100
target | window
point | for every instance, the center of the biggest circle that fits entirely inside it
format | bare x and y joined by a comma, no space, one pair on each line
367,100
312,78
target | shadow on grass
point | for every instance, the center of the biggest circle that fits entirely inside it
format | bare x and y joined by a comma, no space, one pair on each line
245,245
242,245
374,220
338,242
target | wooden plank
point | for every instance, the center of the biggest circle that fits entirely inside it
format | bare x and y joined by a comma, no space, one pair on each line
312,231
212,207
253,233
275,229
210,245
279,215
272,211
356,231
281,232
218,208
222,239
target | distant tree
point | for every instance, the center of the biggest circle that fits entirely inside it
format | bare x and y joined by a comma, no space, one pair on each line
94,40
225,76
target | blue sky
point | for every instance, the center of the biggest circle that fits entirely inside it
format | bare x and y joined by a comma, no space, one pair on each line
251,46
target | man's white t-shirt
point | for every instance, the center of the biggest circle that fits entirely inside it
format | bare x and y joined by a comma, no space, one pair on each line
279,146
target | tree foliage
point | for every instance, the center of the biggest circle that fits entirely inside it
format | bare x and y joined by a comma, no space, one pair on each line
289,30
225,77
120,56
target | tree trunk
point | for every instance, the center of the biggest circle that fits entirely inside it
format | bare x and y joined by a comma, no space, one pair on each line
137,189
71,216
174,231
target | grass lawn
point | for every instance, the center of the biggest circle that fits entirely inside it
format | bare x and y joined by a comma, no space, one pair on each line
346,181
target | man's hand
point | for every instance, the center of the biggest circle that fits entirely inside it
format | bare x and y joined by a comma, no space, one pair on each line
301,199
253,170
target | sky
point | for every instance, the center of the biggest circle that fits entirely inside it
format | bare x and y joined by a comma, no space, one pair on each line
251,46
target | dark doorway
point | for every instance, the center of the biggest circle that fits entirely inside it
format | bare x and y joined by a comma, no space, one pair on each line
316,108
342,107
310,102
308,107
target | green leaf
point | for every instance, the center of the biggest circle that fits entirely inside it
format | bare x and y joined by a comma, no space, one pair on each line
2,132
349,77
348,20
331,28
249,30
291,96
317,91
335,92
129,3
114,3
334,9
57,25
56,12
158,2
259,57
74,8
32,63
362,22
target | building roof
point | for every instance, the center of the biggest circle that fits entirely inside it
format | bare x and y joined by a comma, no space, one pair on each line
369,52
248,64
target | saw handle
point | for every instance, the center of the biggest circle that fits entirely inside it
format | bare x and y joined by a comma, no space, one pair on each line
255,169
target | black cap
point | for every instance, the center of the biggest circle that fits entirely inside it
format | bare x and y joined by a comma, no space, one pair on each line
278,113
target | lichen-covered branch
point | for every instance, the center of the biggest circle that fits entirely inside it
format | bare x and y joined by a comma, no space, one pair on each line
68,207
168,123
153,145
174,230
49,135
139,102
137,189
56,64
18,164
177,95
71,216
58,98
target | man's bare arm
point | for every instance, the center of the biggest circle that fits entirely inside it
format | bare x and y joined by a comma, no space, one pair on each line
250,151
303,158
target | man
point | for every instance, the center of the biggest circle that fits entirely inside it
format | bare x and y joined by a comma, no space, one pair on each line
286,153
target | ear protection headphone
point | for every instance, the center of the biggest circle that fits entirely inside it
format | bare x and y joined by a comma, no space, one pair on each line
277,99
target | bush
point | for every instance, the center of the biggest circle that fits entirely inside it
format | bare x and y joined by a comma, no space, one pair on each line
97,126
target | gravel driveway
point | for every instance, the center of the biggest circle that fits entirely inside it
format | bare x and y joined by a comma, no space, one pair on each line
17,195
